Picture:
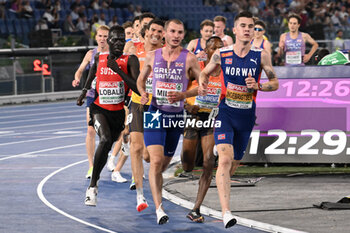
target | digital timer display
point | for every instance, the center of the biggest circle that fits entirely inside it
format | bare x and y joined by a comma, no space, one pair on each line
303,118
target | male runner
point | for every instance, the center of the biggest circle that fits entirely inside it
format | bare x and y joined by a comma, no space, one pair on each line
292,43
199,108
88,61
241,66
115,73
153,41
197,46
219,30
173,67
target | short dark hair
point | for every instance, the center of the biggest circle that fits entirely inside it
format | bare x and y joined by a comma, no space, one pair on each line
206,22
135,18
243,14
212,38
293,15
127,24
116,28
260,23
220,18
147,15
176,21
156,21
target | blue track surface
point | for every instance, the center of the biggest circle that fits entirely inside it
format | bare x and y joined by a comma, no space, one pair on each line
43,164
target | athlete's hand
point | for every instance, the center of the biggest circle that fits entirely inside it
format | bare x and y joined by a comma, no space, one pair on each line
144,98
174,96
80,100
201,56
306,58
112,63
75,83
202,89
251,83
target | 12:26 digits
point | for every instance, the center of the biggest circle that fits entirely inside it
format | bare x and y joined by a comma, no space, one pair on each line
333,142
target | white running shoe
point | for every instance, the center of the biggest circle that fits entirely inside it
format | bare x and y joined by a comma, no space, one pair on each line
91,196
229,220
126,148
162,217
110,163
141,203
117,177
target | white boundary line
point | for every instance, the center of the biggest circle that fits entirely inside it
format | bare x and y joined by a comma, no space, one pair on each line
41,196
43,119
77,111
217,214
41,131
41,139
47,124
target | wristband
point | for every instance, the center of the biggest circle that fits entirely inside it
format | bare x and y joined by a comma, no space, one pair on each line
84,89
259,86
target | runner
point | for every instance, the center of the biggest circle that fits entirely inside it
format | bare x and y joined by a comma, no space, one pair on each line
259,40
115,73
219,30
88,61
241,66
199,108
173,67
197,46
292,43
153,41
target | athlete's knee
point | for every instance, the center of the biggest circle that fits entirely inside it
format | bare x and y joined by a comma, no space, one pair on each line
90,132
225,161
106,142
187,161
146,156
136,148
157,164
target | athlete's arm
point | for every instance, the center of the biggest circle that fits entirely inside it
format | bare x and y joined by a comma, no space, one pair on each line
192,45
310,40
133,71
83,65
90,78
214,63
267,46
270,85
141,80
129,48
281,44
229,40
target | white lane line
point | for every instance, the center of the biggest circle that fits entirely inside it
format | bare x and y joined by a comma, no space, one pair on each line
12,133
40,139
217,214
46,124
39,151
41,113
39,191
25,108
44,119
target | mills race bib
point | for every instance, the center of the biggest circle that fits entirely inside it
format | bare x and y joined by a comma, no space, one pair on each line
111,92
237,96
162,89
293,57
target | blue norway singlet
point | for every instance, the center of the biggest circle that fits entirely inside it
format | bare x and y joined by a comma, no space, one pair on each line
235,70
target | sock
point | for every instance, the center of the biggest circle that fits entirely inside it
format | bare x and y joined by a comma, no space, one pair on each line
139,191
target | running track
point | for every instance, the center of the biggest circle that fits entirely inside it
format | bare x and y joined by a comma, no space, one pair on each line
42,185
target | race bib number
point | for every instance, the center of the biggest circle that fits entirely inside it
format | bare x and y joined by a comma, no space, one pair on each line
293,57
237,96
111,92
149,84
128,119
162,89
211,100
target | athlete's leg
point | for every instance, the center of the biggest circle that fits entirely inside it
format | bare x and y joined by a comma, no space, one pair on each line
208,166
136,149
188,155
104,146
90,140
223,175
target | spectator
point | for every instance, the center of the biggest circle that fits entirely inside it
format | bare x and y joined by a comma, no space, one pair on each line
68,25
102,19
137,11
49,17
94,26
113,22
338,43
41,25
83,25
75,14
95,5
27,11
58,5
106,4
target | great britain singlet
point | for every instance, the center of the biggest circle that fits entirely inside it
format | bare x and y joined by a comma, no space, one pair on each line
294,50
110,87
235,70
91,91
168,79
141,55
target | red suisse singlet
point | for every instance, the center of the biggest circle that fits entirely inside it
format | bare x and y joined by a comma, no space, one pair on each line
110,87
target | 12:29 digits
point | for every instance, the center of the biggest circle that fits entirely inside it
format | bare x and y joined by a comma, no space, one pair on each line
335,139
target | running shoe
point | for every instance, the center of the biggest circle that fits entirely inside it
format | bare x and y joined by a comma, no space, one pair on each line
195,216
132,185
110,163
89,173
162,217
229,220
117,177
91,196
141,203
126,148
